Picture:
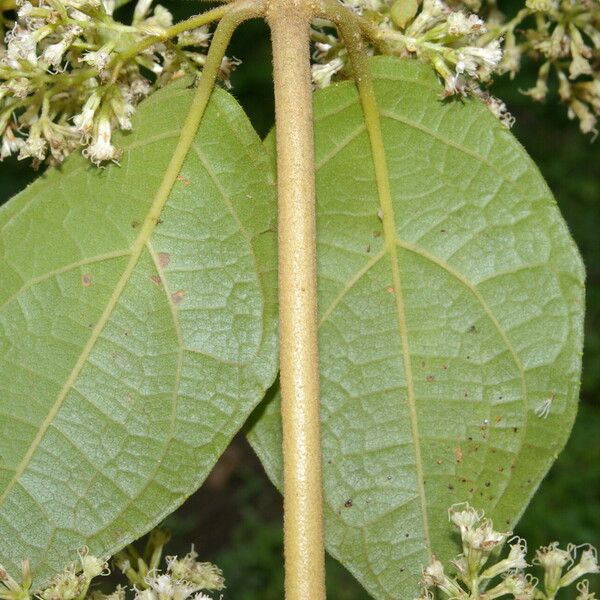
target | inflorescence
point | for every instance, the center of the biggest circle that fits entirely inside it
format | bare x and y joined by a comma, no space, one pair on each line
71,74
182,579
467,49
481,575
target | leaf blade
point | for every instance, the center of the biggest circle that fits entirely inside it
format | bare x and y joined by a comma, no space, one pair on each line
160,339
491,291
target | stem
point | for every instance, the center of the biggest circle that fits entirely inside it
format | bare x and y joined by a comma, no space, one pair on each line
303,502
204,18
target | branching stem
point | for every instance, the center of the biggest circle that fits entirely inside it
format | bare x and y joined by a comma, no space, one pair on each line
205,18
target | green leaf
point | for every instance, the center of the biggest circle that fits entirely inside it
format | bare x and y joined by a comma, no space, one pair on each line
430,388
133,344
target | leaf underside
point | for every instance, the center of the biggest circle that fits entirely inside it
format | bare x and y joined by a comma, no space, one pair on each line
430,388
130,356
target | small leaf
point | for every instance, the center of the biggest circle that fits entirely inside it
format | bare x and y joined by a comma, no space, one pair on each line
433,389
134,343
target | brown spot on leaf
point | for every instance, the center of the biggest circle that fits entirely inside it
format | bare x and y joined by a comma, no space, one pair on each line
86,280
135,223
164,258
391,290
348,503
156,279
183,179
177,297
458,454
430,378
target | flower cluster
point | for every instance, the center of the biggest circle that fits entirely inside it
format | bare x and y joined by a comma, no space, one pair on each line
467,49
477,579
72,584
454,42
183,578
563,37
70,74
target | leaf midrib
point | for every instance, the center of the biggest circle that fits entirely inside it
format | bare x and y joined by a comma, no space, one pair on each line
383,180
372,118
147,229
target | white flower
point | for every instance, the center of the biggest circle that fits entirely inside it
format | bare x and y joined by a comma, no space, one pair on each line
101,149
53,54
98,59
588,564
488,56
34,147
161,584
141,10
579,66
552,559
434,576
84,121
515,561
518,585
20,45
204,575
123,110
322,74
460,24
25,10
20,87
484,538
431,13
464,516
466,64
147,594
160,20
199,36
91,565
10,144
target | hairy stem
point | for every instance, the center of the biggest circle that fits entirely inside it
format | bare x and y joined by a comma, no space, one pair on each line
303,503
205,18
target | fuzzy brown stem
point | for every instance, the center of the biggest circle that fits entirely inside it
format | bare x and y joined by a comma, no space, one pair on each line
303,504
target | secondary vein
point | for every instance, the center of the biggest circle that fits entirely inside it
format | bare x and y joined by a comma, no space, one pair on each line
186,138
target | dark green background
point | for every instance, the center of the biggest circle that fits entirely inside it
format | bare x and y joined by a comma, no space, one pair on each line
235,519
